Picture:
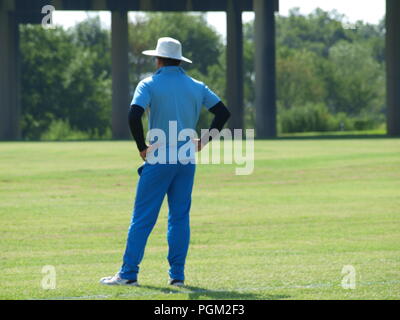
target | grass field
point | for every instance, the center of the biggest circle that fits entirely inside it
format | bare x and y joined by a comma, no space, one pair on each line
284,232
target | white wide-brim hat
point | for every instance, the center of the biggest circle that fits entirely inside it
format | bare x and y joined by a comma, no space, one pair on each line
168,48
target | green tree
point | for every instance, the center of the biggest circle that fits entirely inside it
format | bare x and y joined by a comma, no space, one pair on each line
325,72
44,56
90,34
298,78
357,80
322,66
62,80
316,32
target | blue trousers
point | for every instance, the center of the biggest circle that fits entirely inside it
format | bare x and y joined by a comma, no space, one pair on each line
157,180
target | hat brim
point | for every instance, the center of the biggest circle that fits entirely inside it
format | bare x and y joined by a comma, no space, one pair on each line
154,53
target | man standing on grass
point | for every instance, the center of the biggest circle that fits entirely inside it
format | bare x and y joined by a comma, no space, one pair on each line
176,99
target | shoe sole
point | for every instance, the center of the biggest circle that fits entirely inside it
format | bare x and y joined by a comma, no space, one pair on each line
135,284
179,285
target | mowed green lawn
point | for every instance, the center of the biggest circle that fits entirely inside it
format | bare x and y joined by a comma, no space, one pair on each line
310,208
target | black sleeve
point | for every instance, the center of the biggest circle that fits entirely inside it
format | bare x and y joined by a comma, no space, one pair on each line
221,116
136,126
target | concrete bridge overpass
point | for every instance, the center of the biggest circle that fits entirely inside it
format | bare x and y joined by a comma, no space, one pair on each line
15,12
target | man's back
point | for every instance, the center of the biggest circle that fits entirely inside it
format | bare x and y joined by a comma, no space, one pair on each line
171,95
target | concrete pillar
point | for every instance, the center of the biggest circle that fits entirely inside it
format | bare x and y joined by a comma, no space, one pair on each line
234,59
120,75
9,76
265,69
393,66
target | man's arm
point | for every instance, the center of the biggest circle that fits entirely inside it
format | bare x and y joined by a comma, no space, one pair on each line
221,116
136,127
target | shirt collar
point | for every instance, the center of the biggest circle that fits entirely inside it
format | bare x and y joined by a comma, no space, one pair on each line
170,69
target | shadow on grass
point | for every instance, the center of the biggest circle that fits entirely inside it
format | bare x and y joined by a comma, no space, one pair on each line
196,293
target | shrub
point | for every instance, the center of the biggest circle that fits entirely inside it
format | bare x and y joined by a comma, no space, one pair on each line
316,118
308,118
61,130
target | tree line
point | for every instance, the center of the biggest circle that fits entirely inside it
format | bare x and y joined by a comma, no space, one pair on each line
329,77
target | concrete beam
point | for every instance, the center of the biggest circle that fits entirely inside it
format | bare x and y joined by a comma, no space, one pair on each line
9,76
234,59
265,69
31,6
393,66
7,5
120,75
99,4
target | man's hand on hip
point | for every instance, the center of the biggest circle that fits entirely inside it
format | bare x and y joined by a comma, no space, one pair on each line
199,144
152,147
143,154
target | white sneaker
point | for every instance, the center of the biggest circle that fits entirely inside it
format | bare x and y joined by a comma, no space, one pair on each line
118,281
176,283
